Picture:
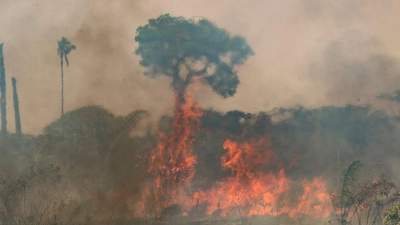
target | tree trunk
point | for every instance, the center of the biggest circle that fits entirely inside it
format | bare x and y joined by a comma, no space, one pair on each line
16,108
179,86
181,96
3,93
62,86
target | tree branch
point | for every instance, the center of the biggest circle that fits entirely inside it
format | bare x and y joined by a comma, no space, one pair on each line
192,74
200,72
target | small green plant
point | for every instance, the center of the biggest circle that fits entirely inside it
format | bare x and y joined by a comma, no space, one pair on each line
392,216
362,202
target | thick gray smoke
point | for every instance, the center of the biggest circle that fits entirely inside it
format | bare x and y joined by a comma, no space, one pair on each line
326,76
286,36
355,69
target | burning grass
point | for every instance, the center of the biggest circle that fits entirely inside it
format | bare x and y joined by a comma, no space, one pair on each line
257,184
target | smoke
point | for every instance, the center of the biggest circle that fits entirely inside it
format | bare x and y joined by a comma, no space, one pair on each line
355,69
103,70
287,38
342,12
320,55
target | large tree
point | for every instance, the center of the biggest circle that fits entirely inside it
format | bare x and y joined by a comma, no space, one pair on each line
64,48
186,49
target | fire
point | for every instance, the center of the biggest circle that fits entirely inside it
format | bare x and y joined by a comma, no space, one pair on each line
248,186
251,191
258,184
173,162
314,201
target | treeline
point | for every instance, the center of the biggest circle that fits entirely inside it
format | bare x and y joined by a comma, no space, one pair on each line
96,143
92,136
320,142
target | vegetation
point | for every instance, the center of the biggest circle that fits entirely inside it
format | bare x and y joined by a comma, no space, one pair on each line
41,196
392,215
363,202
86,167
189,50
94,141
64,48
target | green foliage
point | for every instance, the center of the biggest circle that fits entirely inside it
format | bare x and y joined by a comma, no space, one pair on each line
125,125
64,48
392,216
349,179
346,200
81,136
362,201
169,44
88,135
93,140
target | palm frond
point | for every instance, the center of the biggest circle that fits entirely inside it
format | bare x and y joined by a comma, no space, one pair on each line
125,127
347,195
349,175
64,48
133,118
349,179
60,52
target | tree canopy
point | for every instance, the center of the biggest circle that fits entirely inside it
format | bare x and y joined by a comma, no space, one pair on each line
64,48
186,48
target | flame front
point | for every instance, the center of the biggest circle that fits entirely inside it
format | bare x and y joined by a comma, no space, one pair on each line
251,191
257,184
172,163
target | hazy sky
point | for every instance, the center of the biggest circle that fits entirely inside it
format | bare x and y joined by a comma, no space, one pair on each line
307,52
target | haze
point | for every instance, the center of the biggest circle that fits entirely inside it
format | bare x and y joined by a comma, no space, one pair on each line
309,53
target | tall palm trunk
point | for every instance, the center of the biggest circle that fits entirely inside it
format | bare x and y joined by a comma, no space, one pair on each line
62,86
16,108
3,93
64,48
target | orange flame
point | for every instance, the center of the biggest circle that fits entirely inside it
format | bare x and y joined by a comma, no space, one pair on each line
249,187
250,190
314,201
173,162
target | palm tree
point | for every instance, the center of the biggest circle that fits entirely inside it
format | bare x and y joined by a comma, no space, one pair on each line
64,48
